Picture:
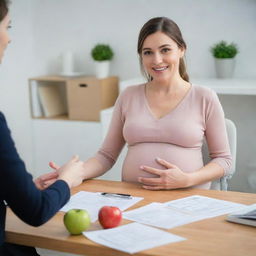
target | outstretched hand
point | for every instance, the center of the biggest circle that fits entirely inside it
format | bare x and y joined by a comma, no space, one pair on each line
45,180
171,178
72,172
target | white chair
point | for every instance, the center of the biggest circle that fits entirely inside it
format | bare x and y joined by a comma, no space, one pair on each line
222,183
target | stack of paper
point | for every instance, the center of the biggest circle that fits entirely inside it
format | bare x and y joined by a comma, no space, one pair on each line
182,211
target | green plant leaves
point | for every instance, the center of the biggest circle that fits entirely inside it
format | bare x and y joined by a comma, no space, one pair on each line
102,52
222,50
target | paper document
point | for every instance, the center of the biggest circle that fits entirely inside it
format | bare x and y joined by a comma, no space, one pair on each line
93,201
35,103
179,212
132,238
204,206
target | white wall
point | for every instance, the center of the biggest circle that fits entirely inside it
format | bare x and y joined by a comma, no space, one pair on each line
43,29
79,24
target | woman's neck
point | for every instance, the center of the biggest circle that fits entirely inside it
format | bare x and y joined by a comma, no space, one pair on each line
168,86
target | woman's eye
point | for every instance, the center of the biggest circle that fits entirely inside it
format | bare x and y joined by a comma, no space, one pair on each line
146,52
9,26
165,50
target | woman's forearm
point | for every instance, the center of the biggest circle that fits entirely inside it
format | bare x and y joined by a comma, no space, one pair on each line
93,168
209,172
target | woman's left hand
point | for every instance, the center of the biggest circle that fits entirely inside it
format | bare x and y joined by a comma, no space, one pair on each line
45,180
171,178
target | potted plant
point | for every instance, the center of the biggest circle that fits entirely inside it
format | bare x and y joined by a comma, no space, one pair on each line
102,55
224,55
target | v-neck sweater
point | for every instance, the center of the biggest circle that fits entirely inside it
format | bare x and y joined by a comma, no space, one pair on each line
177,137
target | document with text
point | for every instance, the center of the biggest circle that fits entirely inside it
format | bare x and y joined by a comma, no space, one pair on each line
181,211
132,238
93,201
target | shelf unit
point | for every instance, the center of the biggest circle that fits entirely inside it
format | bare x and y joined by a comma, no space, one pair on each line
234,86
71,98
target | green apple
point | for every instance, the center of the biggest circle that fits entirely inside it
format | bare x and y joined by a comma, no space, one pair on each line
76,221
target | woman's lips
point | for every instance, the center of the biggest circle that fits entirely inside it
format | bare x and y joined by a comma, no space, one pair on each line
159,69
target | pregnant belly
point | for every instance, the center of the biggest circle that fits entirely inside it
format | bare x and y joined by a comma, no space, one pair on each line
187,159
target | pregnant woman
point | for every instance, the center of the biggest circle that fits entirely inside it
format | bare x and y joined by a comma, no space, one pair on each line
164,121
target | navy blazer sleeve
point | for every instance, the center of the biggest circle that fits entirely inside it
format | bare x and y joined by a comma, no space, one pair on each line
17,187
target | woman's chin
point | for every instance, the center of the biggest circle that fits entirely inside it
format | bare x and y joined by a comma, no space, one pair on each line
161,79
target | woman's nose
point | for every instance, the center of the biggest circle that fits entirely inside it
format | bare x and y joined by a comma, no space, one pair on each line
157,58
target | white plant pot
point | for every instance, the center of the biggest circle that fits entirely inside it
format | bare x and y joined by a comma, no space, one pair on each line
224,67
102,69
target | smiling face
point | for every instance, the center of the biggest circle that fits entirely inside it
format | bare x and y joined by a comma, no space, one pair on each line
161,57
4,37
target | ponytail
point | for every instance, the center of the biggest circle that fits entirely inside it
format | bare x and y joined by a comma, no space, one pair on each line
183,70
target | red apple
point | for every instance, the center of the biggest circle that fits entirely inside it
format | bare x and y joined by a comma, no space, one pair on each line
110,216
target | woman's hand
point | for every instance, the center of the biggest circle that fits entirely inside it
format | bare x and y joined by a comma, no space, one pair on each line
54,166
72,172
171,178
45,180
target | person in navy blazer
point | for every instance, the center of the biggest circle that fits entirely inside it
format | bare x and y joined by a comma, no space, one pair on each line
34,202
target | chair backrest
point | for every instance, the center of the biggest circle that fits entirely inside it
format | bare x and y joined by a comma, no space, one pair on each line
222,183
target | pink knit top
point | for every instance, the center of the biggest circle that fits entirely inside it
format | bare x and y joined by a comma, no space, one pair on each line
176,137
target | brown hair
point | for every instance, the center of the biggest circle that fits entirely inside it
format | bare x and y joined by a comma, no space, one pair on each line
171,29
3,9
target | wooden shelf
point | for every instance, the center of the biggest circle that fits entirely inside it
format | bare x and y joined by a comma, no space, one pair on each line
71,98
57,78
235,86
59,117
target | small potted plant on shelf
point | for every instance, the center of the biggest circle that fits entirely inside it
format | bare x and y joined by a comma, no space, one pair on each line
224,55
102,55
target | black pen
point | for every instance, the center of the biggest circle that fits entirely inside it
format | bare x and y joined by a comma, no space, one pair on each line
120,195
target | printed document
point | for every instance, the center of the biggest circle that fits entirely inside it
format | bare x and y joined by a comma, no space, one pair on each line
132,238
181,211
93,201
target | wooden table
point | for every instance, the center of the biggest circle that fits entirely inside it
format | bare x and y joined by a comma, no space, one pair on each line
213,236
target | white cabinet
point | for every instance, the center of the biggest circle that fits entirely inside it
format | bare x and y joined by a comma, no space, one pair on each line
59,140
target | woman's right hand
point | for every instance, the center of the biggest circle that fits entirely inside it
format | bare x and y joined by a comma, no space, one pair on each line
72,172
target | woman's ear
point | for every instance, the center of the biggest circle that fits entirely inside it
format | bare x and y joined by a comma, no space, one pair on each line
182,52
